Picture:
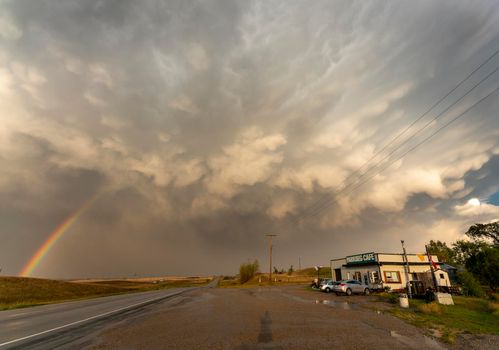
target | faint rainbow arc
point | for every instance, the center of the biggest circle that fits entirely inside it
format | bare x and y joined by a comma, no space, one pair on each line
59,231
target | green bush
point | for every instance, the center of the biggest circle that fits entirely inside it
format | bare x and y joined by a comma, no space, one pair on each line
394,298
248,271
470,285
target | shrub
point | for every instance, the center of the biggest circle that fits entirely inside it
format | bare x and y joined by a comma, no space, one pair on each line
493,307
248,271
470,285
430,309
393,298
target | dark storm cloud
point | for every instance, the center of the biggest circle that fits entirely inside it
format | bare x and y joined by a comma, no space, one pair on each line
202,126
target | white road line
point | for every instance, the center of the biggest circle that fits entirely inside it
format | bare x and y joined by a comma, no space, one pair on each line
16,315
87,319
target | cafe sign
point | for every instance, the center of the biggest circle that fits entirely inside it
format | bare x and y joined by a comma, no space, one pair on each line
361,258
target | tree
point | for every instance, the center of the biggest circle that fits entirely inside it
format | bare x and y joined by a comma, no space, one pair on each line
485,265
470,285
481,259
248,271
485,231
290,270
444,253
465,251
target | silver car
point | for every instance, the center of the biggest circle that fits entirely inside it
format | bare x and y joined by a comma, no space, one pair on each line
350,287
328,286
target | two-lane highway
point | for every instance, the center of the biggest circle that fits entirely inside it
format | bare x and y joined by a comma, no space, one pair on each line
25,326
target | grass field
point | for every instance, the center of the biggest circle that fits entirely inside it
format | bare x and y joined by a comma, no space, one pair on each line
468,315
304,276
16,292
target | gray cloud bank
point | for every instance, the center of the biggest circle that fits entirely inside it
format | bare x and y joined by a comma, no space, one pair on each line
201,126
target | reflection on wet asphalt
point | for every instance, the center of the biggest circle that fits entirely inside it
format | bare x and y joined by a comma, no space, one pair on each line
344,305
429,342
265,335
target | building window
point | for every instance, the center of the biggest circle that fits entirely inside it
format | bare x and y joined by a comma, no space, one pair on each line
392,277
374,277
357,276
442,276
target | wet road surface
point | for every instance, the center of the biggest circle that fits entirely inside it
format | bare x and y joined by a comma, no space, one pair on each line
65,324
288,317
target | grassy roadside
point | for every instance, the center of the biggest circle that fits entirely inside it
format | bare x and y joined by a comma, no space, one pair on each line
304,276
19,292
262,279
468,315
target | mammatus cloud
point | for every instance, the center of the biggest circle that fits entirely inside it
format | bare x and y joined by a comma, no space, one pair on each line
202,126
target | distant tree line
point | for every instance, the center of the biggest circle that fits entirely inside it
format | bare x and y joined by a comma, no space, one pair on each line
476,259
282,271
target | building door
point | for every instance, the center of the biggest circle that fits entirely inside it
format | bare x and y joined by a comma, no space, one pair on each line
337,274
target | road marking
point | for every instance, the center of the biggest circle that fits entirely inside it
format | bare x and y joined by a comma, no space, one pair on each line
15,315
88,319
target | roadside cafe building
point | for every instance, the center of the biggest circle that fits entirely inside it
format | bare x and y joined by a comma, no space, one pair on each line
381,270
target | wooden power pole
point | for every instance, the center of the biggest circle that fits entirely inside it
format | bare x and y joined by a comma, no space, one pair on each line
270,256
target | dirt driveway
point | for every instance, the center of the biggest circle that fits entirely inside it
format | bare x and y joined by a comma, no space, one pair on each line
288,317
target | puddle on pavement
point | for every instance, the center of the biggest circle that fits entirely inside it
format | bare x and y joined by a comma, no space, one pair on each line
344,305
428,342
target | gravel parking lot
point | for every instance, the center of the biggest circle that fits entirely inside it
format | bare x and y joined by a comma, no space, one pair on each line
289,317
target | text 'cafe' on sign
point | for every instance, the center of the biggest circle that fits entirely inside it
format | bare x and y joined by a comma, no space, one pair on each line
361,258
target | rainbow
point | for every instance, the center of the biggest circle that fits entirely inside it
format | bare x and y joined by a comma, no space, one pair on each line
35,260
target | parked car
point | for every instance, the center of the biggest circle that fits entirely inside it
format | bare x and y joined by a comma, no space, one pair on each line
323,282
317,283
328,286
350,287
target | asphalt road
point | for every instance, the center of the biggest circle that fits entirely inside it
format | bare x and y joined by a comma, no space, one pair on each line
281,317
285,317
51,326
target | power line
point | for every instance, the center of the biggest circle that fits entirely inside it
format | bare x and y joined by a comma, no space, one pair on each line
326,197
412,149
344,183
431,108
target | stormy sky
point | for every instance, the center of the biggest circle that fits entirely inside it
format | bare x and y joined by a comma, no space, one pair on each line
201,126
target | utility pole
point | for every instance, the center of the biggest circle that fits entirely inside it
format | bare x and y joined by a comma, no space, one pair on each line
299,263
432,269
407,271
270,256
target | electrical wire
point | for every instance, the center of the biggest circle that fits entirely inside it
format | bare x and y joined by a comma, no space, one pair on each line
413,148
327,196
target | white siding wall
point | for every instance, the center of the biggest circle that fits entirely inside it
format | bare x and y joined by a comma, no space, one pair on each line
414,268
